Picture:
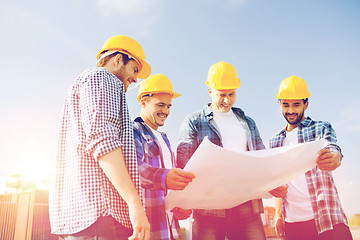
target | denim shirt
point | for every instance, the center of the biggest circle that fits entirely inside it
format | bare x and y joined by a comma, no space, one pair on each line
201,124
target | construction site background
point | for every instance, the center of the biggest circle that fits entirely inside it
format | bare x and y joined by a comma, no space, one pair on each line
25,215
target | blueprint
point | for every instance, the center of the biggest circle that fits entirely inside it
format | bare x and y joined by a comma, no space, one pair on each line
225,179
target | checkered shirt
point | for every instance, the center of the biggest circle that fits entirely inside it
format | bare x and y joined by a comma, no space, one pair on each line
323,193
201,124
153,179
94,121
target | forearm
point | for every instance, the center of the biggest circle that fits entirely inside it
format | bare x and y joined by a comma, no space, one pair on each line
279,221
278,208
115,169
151,177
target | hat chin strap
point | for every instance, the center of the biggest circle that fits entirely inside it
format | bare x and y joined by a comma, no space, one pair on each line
114,51
134,86
106,54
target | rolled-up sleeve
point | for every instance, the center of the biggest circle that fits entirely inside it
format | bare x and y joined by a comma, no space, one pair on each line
330,137
100,101
150,177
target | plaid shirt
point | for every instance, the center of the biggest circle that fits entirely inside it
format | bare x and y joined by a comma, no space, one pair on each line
94,121
201,124
323,193
153,179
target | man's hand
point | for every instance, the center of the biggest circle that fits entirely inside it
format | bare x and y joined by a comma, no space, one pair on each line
181,214
279,192
280,227
178,179
328,161
140,223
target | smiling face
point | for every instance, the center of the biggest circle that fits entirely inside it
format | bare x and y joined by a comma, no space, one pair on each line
293,111
155,109
222,100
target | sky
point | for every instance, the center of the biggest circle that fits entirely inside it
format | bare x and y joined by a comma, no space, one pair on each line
45,45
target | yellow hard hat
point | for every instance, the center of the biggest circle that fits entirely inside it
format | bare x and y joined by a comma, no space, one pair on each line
223,76
157,83
130,47
293,88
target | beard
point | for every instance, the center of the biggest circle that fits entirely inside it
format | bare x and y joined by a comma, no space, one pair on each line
159,124
158,121
297,120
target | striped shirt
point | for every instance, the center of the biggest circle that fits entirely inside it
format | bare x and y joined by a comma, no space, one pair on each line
323,193
94,121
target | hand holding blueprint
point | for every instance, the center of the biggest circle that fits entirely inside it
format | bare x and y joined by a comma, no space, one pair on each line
225,179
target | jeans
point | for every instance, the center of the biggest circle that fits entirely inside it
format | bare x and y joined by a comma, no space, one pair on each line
307,231
301,230
105,228
240,223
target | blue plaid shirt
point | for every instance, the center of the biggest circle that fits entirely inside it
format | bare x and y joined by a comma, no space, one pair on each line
95,121
201,124
153,179
323,193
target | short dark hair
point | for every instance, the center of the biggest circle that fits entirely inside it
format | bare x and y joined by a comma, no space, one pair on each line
106,59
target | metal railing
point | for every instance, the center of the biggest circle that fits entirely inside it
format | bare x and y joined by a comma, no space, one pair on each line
25,216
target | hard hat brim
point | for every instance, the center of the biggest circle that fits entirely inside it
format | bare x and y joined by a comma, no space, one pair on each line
145,67
145,70
281,97
173,94
236,86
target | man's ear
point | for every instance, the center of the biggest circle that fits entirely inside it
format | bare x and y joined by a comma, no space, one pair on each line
306,105
142,102
118,59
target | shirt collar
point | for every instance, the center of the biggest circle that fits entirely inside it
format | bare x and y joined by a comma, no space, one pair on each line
304,123
209,112
138,119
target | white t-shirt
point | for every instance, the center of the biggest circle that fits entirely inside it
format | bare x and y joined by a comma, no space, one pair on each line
164,148
232,132
298,204
167,162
